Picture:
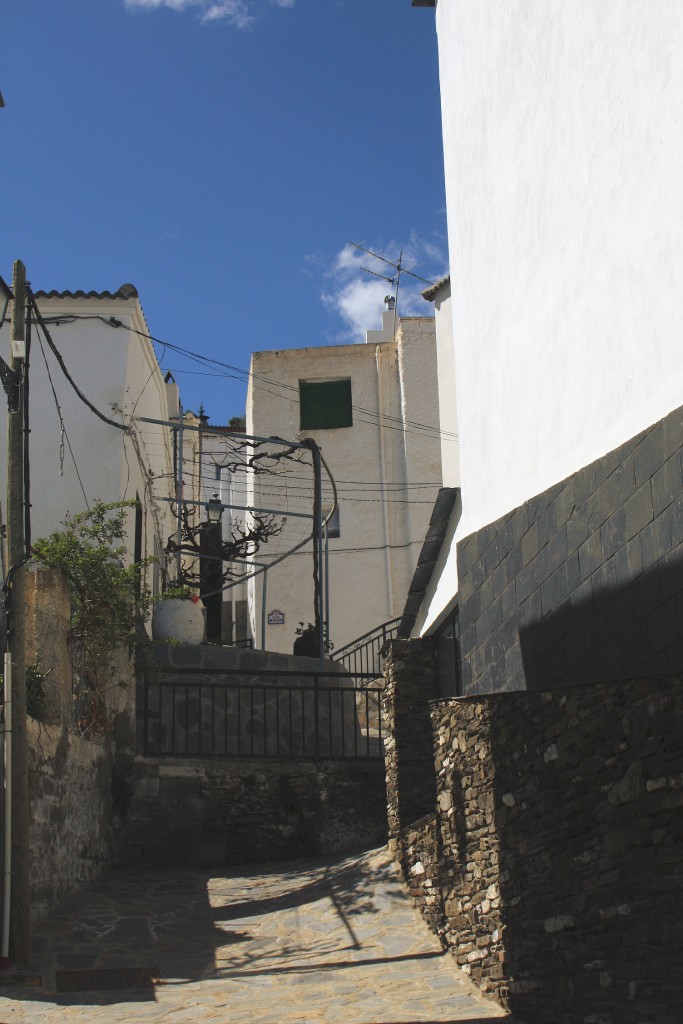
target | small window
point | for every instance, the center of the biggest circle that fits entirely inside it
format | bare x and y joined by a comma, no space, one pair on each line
325,404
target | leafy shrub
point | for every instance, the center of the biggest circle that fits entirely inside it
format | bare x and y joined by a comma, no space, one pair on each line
109,600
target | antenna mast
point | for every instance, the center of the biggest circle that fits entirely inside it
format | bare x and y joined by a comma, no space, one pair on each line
395,279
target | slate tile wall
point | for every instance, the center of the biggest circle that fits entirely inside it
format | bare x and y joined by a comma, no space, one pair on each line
584,581
196,812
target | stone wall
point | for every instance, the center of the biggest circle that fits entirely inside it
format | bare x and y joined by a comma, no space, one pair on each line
70,832
582,582
410,683
418,850
98,801
553,866
233,808
209,700
176,811
238,806
71,778
46,627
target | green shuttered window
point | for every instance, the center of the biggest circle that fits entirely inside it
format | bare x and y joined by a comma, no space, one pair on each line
325,404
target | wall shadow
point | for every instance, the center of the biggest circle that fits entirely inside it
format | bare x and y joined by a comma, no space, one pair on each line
612,631
587,815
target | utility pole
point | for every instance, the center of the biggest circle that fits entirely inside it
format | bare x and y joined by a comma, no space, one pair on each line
20,904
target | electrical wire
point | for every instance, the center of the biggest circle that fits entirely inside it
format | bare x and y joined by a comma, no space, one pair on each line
63,426
335,503
377,547
62,366
375,417
405,426
373,484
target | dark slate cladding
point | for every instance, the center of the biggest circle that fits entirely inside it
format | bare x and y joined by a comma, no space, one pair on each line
585,581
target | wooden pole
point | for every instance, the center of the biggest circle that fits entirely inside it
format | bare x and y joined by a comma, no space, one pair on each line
20,904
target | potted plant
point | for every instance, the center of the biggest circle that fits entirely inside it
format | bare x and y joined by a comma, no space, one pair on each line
307,642
178,616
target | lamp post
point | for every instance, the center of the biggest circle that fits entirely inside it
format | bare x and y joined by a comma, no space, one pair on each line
211,569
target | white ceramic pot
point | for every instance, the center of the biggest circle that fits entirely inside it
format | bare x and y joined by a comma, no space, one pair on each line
178,619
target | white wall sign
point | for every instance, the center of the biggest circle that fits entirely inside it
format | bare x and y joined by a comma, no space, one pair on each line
276,618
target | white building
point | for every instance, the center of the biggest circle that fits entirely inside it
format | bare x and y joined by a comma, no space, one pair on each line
75,457
564,158
373,409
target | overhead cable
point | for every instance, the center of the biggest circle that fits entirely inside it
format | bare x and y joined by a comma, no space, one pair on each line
402,425
62,366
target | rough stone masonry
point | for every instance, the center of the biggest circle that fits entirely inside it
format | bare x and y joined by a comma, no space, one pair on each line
551,861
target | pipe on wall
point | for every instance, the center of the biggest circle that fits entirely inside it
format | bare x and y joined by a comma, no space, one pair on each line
382,469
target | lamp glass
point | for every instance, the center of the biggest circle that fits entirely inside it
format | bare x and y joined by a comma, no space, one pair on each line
214,507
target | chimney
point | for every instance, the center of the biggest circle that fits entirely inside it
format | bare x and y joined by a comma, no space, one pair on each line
388,319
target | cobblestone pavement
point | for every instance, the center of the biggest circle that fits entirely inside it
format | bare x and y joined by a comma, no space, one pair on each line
311,942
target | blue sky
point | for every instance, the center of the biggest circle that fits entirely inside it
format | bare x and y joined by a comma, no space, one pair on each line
219,154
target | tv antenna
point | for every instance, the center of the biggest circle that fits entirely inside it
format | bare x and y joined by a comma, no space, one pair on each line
395,279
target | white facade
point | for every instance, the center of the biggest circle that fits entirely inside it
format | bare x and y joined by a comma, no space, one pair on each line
564,159
116,369
386,466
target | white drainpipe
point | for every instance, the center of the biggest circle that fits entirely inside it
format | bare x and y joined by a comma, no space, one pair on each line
385,511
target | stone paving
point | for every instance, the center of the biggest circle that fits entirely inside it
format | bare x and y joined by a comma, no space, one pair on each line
311,942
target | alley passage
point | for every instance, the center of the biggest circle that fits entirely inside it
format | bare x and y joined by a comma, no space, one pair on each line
309,942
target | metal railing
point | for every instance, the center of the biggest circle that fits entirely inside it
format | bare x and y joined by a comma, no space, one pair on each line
275,714
363,654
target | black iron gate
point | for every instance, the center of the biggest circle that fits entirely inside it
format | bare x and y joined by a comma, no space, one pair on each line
225,713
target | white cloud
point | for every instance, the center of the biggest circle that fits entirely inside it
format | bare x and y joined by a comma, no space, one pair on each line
233,12
358,297
360,304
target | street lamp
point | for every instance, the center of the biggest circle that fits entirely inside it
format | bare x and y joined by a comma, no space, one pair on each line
214,508
211,570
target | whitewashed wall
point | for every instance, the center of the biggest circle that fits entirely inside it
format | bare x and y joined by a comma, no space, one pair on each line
448,407
563,152
371,563
117,371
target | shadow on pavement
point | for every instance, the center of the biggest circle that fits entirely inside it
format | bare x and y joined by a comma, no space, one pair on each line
175,920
